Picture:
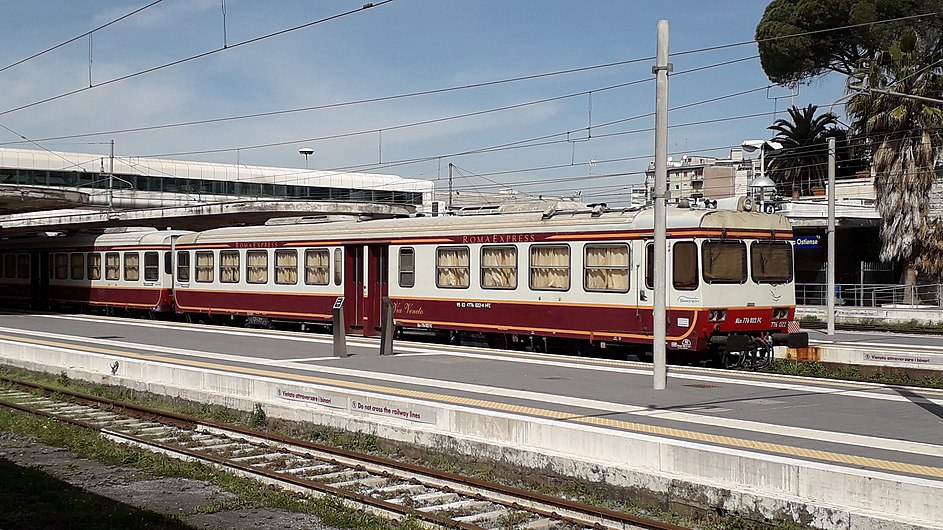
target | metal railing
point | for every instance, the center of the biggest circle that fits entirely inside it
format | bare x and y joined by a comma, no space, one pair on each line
871,295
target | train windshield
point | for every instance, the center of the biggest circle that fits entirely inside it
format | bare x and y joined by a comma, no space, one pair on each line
771,261
724,261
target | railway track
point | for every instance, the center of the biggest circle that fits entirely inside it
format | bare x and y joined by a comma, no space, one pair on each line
378,485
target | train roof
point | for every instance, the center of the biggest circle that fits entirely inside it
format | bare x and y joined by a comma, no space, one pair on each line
579,220
111,238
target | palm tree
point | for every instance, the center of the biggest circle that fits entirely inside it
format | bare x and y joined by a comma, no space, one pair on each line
803,162
905,139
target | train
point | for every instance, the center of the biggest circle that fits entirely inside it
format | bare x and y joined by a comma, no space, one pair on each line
567,280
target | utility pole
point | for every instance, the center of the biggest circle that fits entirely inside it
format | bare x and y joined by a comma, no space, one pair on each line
450,189
830,265
659,312
111,177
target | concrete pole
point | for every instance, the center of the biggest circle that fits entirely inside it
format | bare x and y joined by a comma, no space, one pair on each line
111,177
830,265
659,313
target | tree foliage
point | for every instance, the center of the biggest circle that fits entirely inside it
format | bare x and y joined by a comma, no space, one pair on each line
802,163
798,39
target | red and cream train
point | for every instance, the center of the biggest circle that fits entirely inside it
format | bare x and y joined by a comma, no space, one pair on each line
563,281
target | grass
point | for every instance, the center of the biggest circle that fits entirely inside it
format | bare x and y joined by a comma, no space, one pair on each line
851,373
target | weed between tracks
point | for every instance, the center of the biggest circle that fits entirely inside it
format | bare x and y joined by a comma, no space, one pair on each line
853,373
252,495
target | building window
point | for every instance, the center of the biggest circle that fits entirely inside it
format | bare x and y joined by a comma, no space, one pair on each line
112,266
132,262
22,265
606,268
771,261
151,266
9,266
550,267
724,261
452,267
229,266
407,267
204,267
257,266
499,267
78,266
684,266
317,266
61,266
286,267
94,263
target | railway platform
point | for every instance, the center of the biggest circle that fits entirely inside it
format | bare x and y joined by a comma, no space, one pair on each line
830,454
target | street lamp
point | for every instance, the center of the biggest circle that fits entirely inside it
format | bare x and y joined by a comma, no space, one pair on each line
306,151
764,146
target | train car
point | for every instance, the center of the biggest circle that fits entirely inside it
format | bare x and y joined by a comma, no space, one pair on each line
569,280
125,268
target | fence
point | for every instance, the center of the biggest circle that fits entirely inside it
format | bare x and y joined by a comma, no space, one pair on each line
871,295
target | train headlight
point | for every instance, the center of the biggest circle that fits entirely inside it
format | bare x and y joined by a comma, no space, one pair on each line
780,313
716,315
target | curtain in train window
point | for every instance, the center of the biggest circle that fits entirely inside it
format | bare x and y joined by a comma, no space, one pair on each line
112,266
684,265
317,266
452,267
257,266
77,262
286,266
132,263
550,267
94,263
338,265
771,261
61,266
606,268
229,266
724,261
499,267
407,267
9,266
183,266
204,267
151,266
22,265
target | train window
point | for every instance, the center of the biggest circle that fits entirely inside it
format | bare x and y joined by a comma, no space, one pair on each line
771,261
168,263
229,266
112,266
724,261
317,266
452,267
22,265
9,266
684,265
77,261
132,266
151,266
60,266
94,263
407,267
257,266
650,266
183,266
338,265
204,267
606,268
499,267
550,267
286,267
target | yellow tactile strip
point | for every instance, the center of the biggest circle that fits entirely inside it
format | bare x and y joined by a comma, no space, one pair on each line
782,449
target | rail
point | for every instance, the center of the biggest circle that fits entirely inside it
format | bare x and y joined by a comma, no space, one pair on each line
872,295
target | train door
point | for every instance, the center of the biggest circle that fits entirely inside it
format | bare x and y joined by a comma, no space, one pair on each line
39,280
366,268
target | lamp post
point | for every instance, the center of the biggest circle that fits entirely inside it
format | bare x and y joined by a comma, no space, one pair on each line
763,145
306,151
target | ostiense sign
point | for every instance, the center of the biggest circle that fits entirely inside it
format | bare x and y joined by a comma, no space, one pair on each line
807,241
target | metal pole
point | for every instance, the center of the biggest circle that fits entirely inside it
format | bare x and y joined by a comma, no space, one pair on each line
386,326
659,313
111,175
450,189
830,266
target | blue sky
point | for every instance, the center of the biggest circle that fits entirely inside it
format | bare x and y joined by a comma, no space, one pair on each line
401,47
